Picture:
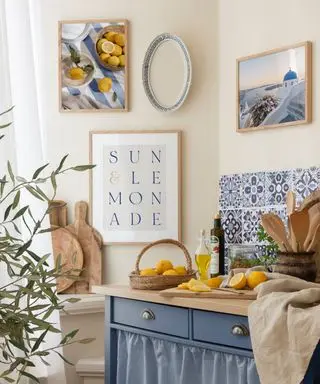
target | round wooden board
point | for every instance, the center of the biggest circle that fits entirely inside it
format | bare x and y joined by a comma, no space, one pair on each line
66,244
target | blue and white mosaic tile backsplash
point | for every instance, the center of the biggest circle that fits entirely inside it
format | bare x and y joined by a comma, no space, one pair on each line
244,197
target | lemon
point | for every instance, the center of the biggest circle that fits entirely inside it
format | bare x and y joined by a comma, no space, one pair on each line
181,270
255,278
110,36
200,287
114,61
170,272
117,50
183,286
76,73
104,56
120,39
107,47
214,282
238,281
148,272
105,84
163,265
99,44
193,282
122,59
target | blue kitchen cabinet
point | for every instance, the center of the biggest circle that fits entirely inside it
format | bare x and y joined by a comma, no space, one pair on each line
151,343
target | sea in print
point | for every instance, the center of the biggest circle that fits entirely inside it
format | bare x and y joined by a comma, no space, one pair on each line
272,89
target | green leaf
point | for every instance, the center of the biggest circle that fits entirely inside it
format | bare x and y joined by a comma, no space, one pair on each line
69,336
75,56
10,171
5,125
38,171
39,341
34,192
6,111
8,379
16,200
18,345
61,163
7,212
24,373
114,97
81,168
20,212
53,181
40,191
73,300
21,179
51,229
87,341
24,247
63,358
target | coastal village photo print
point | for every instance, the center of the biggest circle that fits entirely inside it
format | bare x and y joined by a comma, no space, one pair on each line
273,88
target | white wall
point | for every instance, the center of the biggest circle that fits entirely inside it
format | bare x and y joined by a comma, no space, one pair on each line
69,133
247,27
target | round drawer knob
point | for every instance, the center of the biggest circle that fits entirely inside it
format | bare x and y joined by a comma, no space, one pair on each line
147,314
240,330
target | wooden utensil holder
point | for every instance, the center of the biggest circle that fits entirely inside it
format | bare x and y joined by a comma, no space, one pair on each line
300,264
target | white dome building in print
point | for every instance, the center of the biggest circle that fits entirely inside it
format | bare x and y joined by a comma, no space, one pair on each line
290,79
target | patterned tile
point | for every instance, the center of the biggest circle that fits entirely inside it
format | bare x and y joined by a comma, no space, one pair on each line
251,220
231,222
305,181
230,191
277,185
253,189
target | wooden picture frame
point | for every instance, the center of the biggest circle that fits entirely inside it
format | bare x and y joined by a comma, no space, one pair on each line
143,202
97,86
274,88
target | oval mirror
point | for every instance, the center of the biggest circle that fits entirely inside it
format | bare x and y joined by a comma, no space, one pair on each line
167,72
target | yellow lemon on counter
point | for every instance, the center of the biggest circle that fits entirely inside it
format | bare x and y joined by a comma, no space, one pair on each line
117,50
76,73
104,56
110,36
183,286
255,278
99,44
181,270
107,47
214,282
148,272
170,272
120,39
238,281
114,61
105,84
163,265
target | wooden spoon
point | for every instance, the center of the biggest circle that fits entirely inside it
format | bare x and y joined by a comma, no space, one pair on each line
299,228
314,217
275,228
291,202
315,240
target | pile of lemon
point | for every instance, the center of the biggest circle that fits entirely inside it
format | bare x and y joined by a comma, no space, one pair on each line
112,49
165,268
251,280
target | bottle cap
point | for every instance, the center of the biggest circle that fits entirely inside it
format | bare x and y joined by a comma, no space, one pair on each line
217,216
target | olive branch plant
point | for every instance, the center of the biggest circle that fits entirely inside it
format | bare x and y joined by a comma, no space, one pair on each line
30,298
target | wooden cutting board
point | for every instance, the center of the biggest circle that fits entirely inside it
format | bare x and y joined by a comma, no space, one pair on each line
67,246
87,237
225,293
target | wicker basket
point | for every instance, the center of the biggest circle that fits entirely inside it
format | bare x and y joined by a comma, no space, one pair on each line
109,28
300,265
161,282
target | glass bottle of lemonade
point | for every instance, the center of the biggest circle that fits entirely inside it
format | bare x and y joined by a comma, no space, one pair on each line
202,257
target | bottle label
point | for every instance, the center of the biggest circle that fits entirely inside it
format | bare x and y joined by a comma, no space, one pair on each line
214,250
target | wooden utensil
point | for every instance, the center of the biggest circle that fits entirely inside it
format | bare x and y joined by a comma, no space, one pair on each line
314,218
315,240
226,293
299,225
92,274
311,200
291,202
58,213
66,245
275,228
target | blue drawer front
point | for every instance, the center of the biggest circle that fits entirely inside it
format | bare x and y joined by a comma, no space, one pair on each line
213,327
169,320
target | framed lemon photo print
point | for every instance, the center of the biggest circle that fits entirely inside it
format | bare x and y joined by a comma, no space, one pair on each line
93,65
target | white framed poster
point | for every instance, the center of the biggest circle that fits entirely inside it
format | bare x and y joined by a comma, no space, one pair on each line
135,186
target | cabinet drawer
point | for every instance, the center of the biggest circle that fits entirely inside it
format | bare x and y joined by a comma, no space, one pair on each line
221,328
152,317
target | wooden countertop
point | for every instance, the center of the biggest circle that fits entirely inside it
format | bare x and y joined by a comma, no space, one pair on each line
231,306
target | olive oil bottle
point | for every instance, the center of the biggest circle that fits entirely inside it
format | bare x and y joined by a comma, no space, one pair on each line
217,266
202,257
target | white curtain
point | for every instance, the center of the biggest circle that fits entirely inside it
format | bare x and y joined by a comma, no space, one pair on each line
24,144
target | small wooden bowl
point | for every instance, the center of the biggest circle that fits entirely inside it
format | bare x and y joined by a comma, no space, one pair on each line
109,28
160,282
301,265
